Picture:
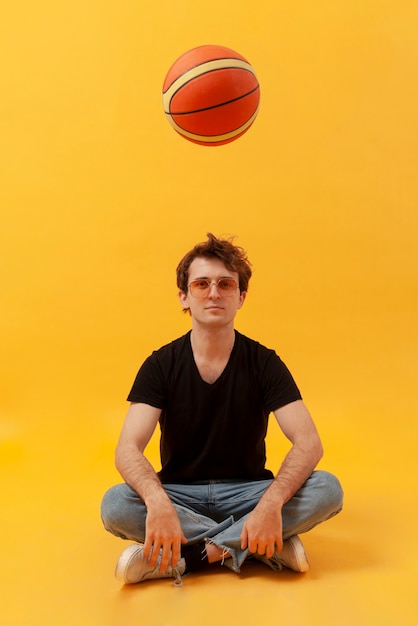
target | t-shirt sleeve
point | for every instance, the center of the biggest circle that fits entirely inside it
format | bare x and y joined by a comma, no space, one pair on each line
149,386
279,386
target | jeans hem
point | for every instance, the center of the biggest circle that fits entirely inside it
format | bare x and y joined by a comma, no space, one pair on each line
229,558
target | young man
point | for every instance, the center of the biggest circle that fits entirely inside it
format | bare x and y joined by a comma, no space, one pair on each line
212,391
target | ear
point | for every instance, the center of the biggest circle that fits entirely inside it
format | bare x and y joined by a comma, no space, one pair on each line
242,297
184,301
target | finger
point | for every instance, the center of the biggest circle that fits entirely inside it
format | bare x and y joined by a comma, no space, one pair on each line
176,550
165,557
270,549
148,547
253,546
261,548
175,553
154,553
279,544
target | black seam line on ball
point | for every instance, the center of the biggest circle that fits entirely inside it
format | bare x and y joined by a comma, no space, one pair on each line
215,106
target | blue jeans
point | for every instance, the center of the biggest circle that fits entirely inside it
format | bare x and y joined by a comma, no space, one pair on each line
217,510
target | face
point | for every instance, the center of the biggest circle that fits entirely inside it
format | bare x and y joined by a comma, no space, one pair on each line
215,308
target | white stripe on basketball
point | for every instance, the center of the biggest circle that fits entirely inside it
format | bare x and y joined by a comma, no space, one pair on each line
212,138
209,66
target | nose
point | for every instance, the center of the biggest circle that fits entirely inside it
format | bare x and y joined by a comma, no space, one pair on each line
213,290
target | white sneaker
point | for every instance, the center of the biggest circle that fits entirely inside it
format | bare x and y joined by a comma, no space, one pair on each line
132,567
293,555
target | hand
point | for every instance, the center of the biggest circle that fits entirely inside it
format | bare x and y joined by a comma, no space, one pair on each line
163,533
262,531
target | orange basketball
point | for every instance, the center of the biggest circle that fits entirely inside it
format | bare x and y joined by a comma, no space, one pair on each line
211,95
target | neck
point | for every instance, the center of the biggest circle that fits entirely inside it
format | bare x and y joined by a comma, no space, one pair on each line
211,342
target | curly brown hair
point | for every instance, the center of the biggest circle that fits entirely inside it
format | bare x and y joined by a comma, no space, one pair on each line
233,257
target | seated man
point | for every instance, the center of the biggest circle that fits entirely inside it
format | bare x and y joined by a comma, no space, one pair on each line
212,391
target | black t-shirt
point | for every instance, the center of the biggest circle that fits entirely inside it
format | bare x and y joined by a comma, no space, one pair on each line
214,431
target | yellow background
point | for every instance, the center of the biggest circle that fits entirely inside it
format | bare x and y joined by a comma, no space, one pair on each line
99,200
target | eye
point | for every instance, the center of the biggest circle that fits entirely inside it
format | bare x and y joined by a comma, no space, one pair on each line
226,284
200,284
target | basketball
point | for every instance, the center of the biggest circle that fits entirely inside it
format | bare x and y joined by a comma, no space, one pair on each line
211,95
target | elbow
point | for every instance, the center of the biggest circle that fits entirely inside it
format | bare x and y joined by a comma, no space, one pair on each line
318,452
119,457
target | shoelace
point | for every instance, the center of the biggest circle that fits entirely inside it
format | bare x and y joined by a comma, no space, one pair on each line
178,582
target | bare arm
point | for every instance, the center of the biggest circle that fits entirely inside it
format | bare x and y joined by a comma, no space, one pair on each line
262,531
163,530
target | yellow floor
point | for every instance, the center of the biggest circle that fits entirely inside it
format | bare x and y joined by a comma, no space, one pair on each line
57,561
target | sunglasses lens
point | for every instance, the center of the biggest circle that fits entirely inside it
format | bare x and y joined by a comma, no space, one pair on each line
227,285
201,287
